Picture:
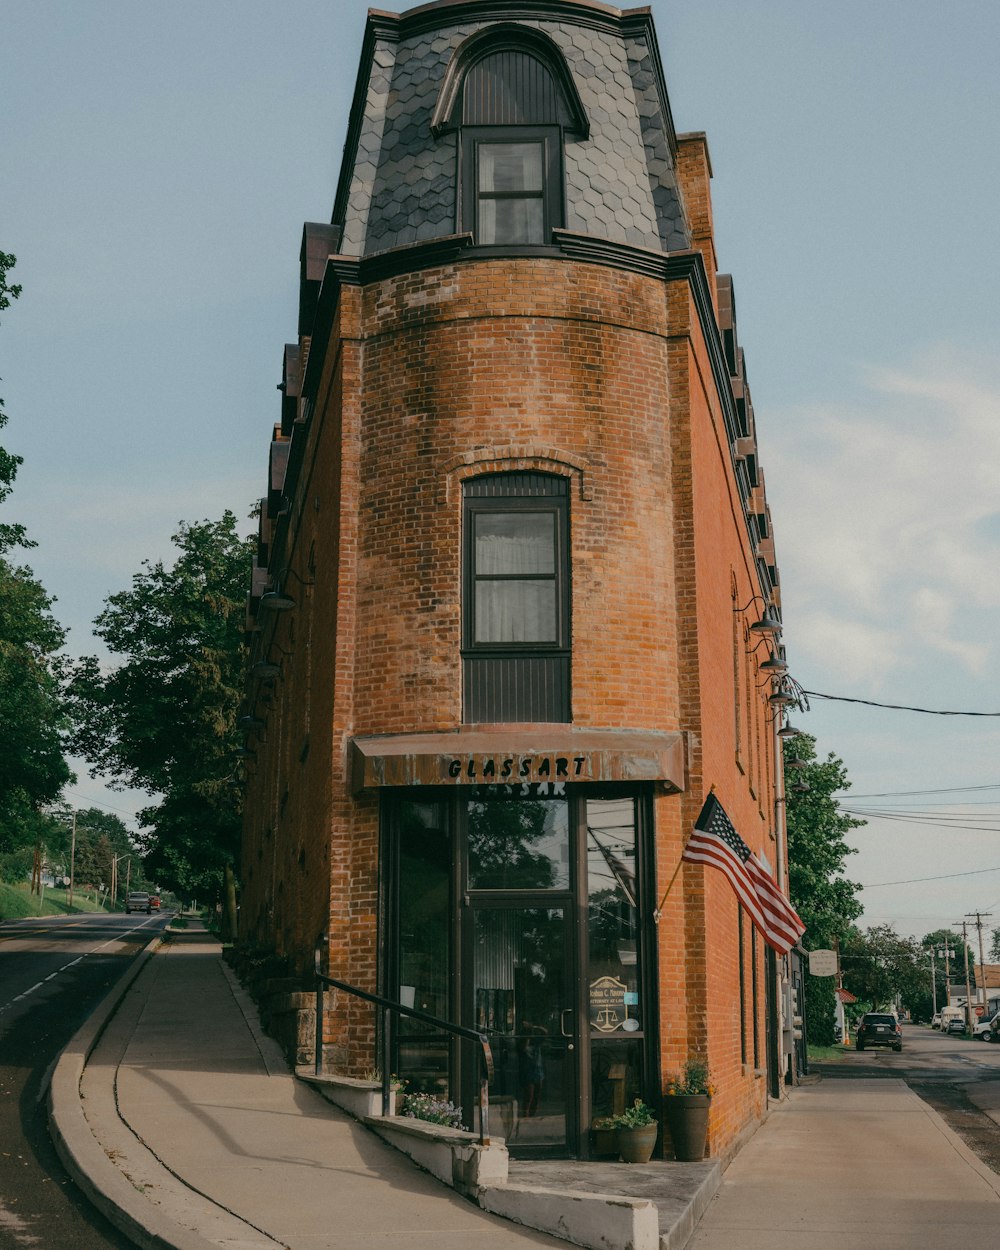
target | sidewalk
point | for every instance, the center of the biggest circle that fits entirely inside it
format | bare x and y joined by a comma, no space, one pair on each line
853,1162
183,1124
190,1132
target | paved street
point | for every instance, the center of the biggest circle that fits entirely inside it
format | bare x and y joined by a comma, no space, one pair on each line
53,970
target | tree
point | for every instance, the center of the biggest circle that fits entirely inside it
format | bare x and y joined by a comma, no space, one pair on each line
879,965
824,898
164,719
32,767
10,535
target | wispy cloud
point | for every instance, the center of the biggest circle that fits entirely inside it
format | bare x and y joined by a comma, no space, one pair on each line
886,519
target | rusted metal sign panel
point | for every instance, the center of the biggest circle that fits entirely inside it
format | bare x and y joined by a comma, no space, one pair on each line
556,754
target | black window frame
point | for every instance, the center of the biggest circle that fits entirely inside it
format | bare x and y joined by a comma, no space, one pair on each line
558,506
550,137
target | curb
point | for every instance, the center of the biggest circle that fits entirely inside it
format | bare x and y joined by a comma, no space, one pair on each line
82,1156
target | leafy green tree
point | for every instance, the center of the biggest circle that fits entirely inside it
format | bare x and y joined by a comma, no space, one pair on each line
817,848
824,898
164,719
879,965
10,535
33,769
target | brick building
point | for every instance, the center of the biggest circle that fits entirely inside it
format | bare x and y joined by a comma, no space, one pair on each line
515,585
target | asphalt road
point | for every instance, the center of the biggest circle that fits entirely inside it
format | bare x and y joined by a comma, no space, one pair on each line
53,972
952,1074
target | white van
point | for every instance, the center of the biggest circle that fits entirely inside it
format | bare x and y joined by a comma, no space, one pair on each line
952,1019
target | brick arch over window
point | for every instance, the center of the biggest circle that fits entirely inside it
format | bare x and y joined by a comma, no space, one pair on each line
519,458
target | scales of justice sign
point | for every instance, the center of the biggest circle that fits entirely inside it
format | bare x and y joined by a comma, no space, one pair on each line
610,1000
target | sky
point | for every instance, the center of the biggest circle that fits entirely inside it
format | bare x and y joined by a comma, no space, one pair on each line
159,159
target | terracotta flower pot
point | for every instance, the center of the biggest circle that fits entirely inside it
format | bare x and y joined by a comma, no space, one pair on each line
687,1119
635,1145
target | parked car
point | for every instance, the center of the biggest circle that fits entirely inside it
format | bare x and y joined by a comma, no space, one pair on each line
138,900
956,1025
936,1020
876,1028
981,1028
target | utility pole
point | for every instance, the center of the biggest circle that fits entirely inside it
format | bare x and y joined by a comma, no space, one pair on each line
933,981
72,860
980,916
947,953
968,984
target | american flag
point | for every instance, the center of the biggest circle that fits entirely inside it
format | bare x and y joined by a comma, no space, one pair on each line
715,842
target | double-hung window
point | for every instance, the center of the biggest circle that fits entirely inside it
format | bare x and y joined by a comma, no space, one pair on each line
512,180
516,600
510,97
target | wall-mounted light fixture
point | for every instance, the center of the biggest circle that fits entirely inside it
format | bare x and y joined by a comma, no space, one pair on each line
250,724
275,601
769,624
264,670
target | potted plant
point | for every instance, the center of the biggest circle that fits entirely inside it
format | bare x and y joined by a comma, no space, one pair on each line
635,1130
605,1131
686,1104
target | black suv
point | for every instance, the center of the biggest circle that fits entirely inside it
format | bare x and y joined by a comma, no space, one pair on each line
878,1029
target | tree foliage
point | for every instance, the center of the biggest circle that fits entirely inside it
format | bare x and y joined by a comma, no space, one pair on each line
824,898
33,769
879,965
164,719
10,535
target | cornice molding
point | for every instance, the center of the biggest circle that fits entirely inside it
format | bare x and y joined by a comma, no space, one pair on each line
445,13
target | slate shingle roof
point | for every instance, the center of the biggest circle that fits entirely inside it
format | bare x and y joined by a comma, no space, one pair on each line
620,182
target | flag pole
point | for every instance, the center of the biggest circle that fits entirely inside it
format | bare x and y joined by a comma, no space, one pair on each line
659,910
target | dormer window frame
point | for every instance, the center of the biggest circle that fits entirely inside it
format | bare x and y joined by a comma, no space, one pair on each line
473,195
550,113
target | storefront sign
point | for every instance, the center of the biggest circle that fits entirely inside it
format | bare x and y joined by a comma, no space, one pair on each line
823,963
520,757
489,768
607,1004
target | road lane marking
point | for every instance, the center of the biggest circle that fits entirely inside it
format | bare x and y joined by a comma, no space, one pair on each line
38,985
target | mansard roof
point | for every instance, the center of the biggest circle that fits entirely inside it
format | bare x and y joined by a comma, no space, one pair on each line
398,183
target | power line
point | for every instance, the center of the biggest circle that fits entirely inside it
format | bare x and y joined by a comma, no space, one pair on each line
945,876
896,707
901,794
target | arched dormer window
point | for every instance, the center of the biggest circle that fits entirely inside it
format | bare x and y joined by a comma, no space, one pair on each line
511,98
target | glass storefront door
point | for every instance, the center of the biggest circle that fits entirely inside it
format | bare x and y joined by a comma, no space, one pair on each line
521,995
517,911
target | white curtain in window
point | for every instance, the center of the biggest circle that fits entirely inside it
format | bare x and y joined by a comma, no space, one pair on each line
499,555
516,612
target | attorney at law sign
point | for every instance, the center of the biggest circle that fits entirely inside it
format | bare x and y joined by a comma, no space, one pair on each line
823,963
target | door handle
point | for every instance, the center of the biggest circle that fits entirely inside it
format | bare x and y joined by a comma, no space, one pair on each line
562,1021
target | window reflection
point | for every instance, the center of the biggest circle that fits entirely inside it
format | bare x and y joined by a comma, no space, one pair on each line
424,949
518,844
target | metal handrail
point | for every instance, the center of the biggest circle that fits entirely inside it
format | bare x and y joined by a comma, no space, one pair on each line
389,1007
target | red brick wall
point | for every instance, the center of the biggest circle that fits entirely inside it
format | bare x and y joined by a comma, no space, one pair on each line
572,368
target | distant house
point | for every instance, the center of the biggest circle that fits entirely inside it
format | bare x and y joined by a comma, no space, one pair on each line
516,609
